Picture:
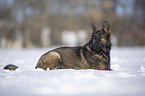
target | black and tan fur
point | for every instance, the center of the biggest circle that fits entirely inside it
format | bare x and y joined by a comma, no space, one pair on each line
10,67
93,55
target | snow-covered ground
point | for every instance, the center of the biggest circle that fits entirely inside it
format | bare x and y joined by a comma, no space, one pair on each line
126,79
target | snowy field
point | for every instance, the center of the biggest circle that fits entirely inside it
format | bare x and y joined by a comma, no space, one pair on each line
126,79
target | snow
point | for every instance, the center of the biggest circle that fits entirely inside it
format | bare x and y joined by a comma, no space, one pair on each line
126,79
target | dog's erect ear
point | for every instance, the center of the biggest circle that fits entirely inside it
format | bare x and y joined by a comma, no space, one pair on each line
93,27
106,27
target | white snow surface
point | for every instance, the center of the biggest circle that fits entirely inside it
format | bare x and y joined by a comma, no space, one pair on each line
126,79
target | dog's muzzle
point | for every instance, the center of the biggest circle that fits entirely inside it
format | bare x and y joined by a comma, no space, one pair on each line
97,45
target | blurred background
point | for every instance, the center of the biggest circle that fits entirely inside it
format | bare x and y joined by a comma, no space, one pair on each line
46,23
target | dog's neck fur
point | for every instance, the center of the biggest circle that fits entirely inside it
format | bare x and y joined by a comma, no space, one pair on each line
93,56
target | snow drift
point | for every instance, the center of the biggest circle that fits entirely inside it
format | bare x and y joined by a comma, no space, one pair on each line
127,77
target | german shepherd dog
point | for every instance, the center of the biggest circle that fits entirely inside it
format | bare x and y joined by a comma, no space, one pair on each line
93,55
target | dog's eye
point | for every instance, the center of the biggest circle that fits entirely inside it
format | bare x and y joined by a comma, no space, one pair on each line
101,37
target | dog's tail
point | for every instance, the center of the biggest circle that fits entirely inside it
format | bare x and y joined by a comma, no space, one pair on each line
10,67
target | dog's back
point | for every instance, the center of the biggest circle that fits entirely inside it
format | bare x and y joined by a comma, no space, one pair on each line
66,57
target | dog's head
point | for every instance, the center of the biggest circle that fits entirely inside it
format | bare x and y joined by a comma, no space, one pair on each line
101,39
